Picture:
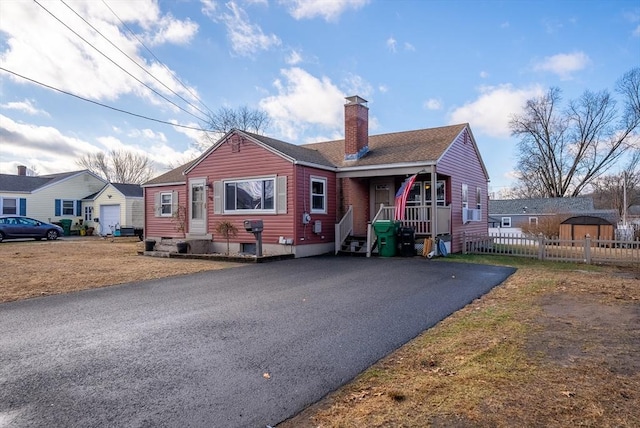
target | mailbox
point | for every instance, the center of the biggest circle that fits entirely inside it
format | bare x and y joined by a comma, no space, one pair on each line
253,226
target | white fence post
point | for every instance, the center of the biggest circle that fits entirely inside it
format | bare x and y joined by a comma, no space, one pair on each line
587,249
541,246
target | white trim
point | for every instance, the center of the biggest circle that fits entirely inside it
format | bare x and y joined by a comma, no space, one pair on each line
322,180
226,181
162,214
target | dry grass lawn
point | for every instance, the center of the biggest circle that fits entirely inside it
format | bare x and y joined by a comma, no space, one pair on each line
32,269
556,345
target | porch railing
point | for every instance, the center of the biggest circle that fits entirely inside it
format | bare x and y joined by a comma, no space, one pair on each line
418,218
343,229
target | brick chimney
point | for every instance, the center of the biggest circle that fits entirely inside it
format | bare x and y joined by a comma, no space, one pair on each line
22,170
356,128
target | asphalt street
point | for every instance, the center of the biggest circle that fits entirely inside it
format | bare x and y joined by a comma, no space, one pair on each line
243,347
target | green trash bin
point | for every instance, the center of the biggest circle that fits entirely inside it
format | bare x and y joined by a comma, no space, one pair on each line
386,231
66,226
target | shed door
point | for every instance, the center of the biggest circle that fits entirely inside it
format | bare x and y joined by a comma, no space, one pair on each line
198,208
109,218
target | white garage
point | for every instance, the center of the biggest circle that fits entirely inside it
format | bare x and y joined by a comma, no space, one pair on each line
109,218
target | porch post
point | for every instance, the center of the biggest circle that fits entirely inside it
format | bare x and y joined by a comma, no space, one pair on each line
434,202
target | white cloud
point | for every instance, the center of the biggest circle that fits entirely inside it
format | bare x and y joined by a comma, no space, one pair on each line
491,112
246,38
636,32
383,88
25,106
409,47
433,104
304,101
329,10
391,44
356,85
294,58
563,64
484,74
38,47
147,134
209,8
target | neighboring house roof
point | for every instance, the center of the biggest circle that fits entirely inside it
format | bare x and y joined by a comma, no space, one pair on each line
129,190
28,184
174,176
426,145
540,206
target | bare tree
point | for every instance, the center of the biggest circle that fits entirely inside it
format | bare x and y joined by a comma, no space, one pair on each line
226,119
609,189
562,152
119,166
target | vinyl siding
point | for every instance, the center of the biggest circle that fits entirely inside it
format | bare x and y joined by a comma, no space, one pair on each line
131,209
41,203
462,164
159,227
251,161
304,234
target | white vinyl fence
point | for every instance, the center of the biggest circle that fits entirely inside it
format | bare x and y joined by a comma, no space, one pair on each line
587,250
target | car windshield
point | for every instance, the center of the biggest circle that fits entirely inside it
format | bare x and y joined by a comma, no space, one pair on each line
28,221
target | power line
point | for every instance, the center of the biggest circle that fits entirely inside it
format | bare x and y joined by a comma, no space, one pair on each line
100,104
131,59
117,65
155,57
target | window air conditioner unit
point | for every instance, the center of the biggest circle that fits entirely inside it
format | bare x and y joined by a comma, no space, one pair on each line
470,214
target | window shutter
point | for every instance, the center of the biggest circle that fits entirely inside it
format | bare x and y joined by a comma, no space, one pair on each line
58,207
281,206
217,197
174,202
157,209
23,206
78,208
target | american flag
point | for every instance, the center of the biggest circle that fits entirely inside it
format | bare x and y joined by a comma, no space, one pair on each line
401,196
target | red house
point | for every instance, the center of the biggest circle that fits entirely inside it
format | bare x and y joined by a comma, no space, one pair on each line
314,198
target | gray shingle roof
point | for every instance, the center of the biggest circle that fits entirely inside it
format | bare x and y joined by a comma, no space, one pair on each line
503,207
129,190
27,184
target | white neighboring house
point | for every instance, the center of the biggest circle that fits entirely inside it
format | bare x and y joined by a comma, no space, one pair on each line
49,198
116,206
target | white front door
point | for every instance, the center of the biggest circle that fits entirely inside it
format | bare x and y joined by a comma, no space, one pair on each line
198,206
382,193
109,219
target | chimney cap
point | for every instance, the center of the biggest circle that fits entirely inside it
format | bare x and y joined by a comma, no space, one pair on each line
356,99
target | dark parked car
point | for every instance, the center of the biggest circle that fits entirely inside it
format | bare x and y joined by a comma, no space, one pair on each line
16,227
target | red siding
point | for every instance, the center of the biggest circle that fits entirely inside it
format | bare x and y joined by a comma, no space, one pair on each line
161,226
462,164
304,233
245,159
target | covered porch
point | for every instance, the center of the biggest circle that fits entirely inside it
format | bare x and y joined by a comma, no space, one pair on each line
372,198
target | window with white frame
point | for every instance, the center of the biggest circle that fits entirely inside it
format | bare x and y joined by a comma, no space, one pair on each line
505,222
533,221
166,204
479,198
465,196
318,195
68,207
249,195
9,205
88,213
420,193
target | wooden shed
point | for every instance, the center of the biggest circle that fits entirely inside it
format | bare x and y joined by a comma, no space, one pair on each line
580,226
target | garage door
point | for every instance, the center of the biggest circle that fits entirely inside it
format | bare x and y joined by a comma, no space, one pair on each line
109,218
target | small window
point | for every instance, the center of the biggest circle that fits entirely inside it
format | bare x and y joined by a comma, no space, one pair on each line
88,213
68,208
465,196
9,206
318,195
166,202
533,221
506,222
479,198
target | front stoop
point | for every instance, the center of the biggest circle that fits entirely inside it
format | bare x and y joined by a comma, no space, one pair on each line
354,246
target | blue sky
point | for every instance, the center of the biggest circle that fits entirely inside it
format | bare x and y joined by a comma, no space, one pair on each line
420,64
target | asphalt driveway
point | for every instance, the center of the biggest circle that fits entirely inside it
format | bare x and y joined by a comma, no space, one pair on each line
244,347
